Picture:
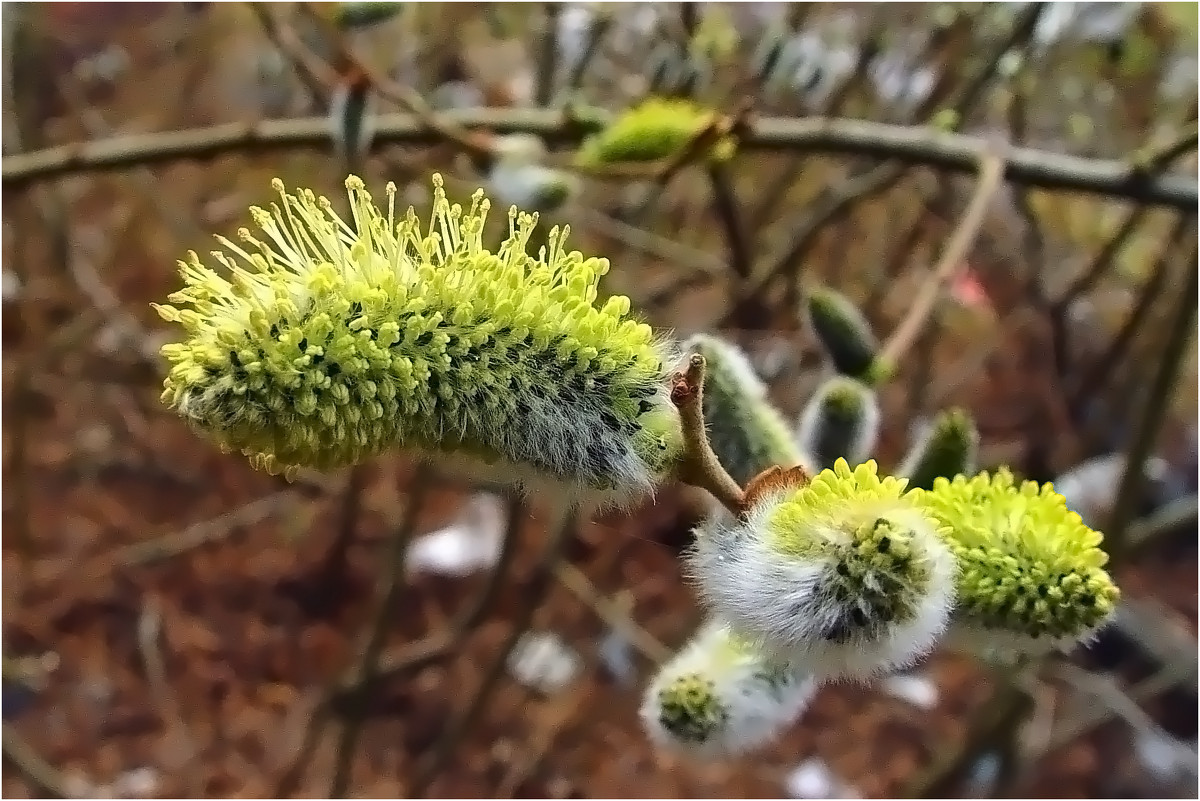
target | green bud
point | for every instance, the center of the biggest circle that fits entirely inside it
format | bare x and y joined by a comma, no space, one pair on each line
950,447
841,420
843,332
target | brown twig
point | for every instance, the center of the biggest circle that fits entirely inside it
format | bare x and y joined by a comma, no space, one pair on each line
699,466
334,563
902,338
43,778
432,762
392,584
611,613
910,145
403,660
1096,374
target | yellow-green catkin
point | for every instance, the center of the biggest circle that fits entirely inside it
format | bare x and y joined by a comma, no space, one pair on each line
321,342
1031,573
658,128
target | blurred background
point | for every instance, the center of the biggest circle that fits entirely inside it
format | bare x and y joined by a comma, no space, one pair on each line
176,623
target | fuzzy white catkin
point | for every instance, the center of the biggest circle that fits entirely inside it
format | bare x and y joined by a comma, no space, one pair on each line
720,697
835,612
828,429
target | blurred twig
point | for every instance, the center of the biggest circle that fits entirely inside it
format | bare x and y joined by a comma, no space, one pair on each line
391,585
1102,367
1158,399
992,723
547,62
341,696
432,762
990,169
42,777
910,145
334,563
611,613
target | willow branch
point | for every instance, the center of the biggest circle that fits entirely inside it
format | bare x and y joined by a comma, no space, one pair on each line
699,466
902,339
1150,424
919,145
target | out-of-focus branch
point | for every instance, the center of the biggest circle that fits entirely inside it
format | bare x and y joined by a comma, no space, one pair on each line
990,170
432,762
1158,398
42,777
908,144
392,585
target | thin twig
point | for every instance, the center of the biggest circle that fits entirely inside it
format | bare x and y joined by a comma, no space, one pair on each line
166,547
907,144
392,585
401,661
334,563
432,762
43,778
699,466
611,613
312,74
1096,374
547,63
1158,398
903,337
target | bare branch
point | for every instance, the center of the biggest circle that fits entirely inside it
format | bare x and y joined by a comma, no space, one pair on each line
907,144
957,248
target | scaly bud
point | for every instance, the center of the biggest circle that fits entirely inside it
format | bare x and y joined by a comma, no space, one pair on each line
720,696
326,342
948,447
841,420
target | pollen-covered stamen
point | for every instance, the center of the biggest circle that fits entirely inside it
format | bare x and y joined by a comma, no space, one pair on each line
690,709
1032,573
335,342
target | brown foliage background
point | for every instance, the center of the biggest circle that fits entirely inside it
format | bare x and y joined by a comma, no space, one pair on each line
194,611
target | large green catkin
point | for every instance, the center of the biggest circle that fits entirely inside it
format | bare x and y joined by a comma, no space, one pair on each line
747,433
1030,573
949,447
331,342
840,420
844,333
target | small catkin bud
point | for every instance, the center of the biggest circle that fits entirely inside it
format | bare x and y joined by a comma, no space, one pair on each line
656,129
1032,574
720,696
840,420
948,448
844,575
326,342
351,16
844,333
746,432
